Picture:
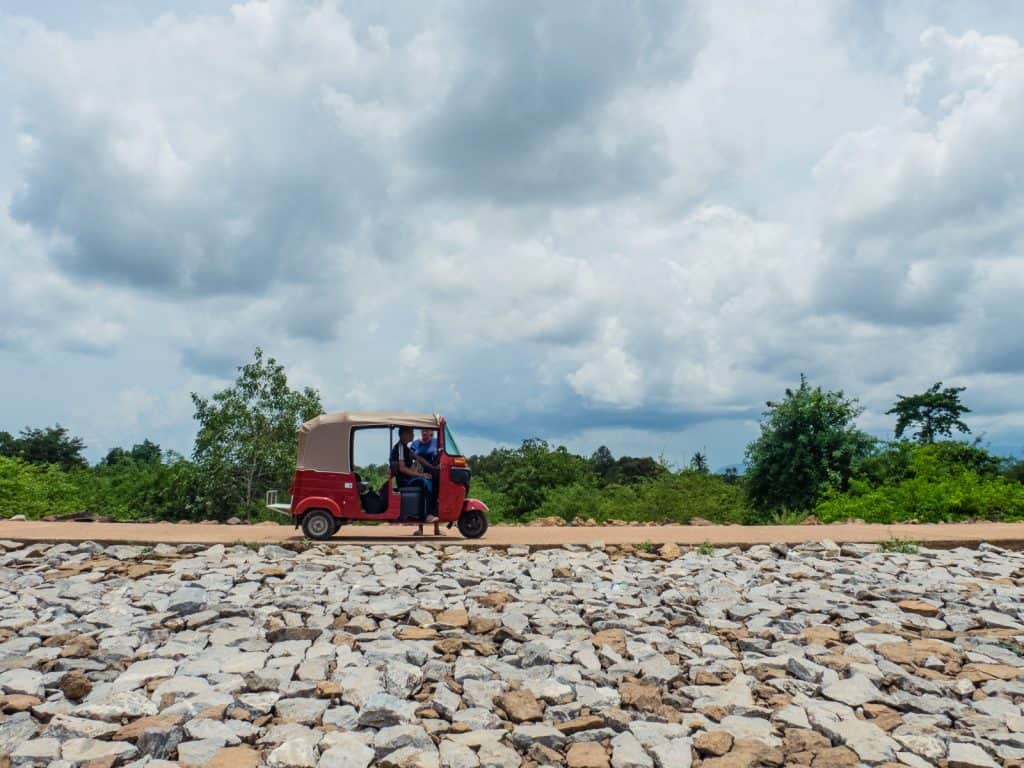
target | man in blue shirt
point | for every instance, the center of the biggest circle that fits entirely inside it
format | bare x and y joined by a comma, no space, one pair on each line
425,452
426,449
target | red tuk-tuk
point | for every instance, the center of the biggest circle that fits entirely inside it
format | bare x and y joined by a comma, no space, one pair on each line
328,492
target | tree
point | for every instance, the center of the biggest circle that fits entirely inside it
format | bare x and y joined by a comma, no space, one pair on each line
146,452
936,413
602,460
699,463
50,445
808,444
246,438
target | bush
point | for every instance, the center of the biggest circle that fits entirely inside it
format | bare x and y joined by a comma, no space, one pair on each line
930,483
671,497
36,490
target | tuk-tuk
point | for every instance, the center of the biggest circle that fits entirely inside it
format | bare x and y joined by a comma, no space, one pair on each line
328,492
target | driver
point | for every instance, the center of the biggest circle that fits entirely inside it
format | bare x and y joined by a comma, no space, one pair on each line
403,464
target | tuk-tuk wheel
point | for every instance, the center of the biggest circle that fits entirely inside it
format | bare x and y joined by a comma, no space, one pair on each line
318,524
472,523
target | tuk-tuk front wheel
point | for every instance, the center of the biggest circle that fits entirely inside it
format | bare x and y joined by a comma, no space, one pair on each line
318,524
472,523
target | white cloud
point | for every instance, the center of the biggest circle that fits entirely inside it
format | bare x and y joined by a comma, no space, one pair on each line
555,222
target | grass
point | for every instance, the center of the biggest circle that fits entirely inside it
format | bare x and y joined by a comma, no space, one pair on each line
1013,647
646,546
787,517
706,548
900,546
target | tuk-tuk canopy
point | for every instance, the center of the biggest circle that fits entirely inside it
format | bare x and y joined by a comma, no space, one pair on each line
325,443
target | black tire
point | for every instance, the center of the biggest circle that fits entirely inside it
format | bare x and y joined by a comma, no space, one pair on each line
472,523
319,525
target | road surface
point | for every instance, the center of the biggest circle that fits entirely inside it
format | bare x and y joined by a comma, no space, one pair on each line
945,535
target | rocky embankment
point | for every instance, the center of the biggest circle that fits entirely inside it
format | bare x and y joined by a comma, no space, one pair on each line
343,656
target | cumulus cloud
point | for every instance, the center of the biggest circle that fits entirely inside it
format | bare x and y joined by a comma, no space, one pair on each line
542,220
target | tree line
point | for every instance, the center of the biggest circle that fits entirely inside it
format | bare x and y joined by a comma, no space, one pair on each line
809,458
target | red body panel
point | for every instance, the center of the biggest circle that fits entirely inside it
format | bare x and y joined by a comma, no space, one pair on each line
338,493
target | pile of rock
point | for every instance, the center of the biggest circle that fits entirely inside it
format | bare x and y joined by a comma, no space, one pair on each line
341,656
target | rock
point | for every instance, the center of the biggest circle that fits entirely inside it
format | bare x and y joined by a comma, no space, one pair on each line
308,711
382,710
669,551
525,735
920,607
747,753
615,639
141,672
836,757
963,755
36,752
133,730
493,754
119,705
453,619
75,685
714,743
347,751
627,752
233,521
160,743
187,600
699,521
84,750
296,753
853,691
521,706
235,757
641,696
18,702
587,755
546,522
27,682
198,753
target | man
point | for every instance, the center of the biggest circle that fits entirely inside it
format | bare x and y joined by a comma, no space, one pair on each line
403,466
425,454
426,449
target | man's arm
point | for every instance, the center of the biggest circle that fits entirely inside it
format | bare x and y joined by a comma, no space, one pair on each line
403,468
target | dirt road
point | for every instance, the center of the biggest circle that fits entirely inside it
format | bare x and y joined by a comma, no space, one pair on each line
1003,534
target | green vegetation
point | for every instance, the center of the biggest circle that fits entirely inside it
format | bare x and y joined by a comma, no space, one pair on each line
706,548
899,546
807,447
810,458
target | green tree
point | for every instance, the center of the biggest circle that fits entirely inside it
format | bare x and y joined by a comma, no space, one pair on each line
808,444
935,413
246,438
699,463
49,445
146,452
602,461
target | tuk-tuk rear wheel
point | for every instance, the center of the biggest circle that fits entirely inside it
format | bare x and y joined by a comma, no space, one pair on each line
319,525
472,523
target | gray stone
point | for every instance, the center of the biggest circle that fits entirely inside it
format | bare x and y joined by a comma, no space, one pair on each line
854,691
627,752
308,711
963,755
347,752
297,753
83,750
187,600
24,681
383,709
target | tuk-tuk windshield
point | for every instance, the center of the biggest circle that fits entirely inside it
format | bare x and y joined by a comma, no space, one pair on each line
450,446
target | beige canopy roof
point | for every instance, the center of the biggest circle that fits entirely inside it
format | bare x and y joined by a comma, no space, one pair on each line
325,443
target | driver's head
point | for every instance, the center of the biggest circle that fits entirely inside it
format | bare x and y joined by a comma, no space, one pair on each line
405,434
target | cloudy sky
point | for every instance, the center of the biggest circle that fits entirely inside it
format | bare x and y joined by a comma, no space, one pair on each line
611,222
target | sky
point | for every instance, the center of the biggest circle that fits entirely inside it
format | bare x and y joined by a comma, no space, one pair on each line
618,223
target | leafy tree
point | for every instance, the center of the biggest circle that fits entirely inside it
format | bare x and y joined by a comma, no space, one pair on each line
50,445
633,469
246,438
525,475
602,461
146,452
808,444
699,463
936,413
